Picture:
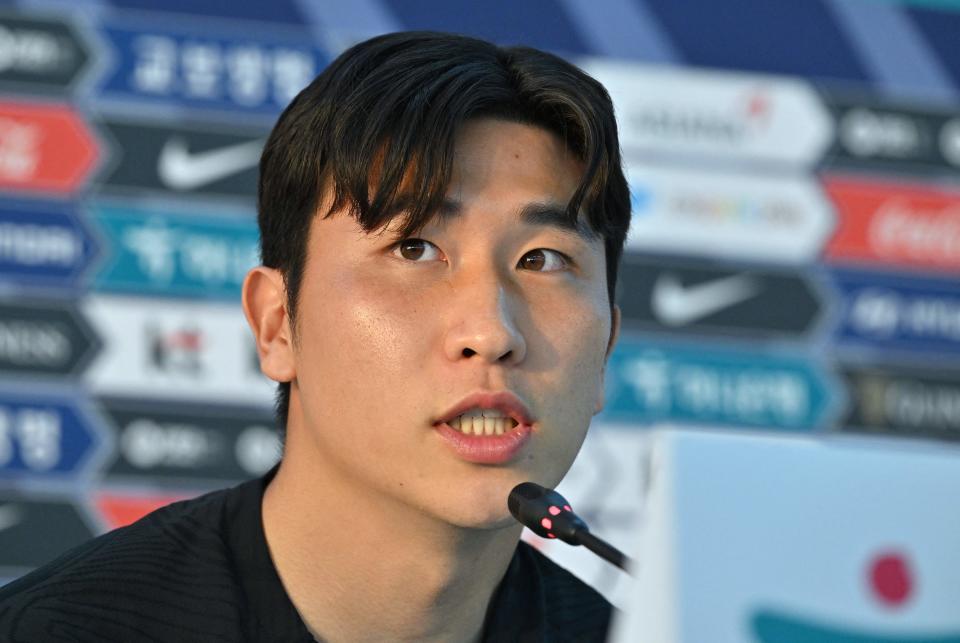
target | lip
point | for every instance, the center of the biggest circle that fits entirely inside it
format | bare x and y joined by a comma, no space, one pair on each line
488,449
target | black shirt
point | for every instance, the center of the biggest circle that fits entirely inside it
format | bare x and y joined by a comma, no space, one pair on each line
200,571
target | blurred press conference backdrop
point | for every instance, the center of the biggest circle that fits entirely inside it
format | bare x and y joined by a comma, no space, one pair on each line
792,265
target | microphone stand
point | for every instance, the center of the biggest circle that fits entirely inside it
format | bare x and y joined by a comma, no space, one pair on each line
548,514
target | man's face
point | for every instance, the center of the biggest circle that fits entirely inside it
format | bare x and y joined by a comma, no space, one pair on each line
391,337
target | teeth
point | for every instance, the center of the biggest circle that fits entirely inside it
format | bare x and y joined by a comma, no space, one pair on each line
482,425
489,425
479,421
489,413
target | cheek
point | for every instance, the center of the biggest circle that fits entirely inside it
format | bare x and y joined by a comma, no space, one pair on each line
578,345
578,330
391,320
359,331
587,362
359,346
574,394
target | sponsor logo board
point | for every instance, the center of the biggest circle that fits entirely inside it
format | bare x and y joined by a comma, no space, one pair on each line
39,52
164,441
688,296
36,529
908,403
184,159
43,436
778,218
650,383
895,224
180,254
43,245
203,66
712,115
897,313
44,338
888,137
44,147
167,349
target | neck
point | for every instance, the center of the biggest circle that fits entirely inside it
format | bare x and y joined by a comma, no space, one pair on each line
358,564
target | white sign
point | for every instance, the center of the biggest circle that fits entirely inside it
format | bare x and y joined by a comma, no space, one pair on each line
666,112
750,538
782,218
175,349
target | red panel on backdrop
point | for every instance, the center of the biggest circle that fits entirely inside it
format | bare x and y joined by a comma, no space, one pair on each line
44,147
119,510
895,224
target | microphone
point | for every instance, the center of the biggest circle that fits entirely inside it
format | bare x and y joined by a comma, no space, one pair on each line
548,514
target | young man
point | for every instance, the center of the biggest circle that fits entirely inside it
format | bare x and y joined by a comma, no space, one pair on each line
441,221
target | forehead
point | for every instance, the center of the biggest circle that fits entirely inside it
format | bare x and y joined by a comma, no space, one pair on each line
516,169
498,167
484,141
513,168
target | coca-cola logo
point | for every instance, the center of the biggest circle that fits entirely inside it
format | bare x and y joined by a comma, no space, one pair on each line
904,229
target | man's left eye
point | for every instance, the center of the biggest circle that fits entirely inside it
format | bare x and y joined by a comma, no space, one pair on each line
543,260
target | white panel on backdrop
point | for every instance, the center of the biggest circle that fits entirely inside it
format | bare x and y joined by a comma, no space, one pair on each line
157,348
675,113
775,539
780,218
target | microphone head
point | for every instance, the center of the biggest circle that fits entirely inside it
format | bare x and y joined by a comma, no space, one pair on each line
545,512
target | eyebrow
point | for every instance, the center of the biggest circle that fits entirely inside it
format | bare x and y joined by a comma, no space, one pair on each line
535,214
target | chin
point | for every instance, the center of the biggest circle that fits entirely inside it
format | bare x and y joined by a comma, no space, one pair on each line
482,505
483,522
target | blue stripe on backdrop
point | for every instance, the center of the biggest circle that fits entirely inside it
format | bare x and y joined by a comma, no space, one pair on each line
622,29
282,11
90,8
942,31
538,23
356,18
777,36
899,58
946,5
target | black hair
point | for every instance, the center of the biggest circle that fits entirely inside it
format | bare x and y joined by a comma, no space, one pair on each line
395,104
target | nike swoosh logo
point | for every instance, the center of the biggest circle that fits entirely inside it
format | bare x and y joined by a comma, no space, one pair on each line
180,169
10,516
677,305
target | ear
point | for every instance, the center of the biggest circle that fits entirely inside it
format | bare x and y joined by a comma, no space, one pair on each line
614,335
265,306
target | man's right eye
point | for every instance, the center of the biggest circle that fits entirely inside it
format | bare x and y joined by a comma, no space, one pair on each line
416,249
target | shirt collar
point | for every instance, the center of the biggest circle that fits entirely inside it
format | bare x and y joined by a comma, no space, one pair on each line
516,612
270,615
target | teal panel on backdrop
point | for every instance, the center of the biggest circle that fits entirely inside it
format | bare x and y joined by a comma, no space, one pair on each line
165,253
652,382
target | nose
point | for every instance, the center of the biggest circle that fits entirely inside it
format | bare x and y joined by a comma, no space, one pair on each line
484,324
